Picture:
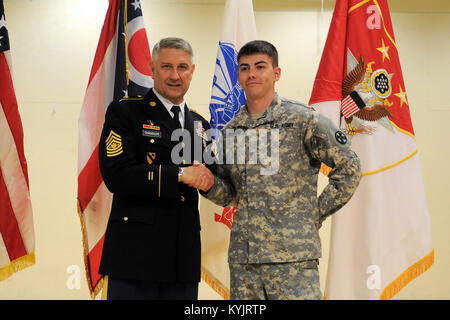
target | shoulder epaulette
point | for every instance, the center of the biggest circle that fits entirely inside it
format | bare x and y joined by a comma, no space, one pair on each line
131,98
194,111
297,103
197,113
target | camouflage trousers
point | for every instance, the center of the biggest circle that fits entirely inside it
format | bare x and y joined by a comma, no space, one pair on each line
275,281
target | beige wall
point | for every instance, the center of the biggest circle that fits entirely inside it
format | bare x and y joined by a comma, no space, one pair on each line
53,44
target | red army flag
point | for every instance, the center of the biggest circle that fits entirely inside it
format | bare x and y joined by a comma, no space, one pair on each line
381,239
121,68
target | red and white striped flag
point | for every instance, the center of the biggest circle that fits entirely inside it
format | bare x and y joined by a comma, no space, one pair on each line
121,68
381,239
16,216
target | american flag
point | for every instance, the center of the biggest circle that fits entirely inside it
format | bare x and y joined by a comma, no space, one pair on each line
16,217
121,68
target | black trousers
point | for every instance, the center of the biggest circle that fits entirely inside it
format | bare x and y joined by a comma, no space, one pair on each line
126,289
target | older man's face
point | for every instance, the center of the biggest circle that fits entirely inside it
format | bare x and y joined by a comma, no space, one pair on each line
172,73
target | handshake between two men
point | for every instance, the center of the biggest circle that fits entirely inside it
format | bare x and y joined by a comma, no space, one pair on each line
197,176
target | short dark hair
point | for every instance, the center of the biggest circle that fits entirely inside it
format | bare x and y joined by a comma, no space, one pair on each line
259,46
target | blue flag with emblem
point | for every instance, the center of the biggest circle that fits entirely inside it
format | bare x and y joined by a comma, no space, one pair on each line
227,96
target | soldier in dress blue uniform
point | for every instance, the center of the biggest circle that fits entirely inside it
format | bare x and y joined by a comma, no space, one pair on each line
152,242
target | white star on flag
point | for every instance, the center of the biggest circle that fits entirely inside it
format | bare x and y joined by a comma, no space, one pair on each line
2,22
136,4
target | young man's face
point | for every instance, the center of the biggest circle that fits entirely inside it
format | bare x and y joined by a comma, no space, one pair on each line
257,76
172,73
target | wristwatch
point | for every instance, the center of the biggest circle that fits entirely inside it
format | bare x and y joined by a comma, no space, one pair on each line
180,173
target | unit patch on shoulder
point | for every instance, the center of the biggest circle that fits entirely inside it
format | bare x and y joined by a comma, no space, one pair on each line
113,144
340,137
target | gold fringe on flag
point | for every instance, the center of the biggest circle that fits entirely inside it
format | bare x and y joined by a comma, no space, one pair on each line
17,265
412,272
215,284
94,291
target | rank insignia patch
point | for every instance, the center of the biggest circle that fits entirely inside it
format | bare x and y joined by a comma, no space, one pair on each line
113,144
151,156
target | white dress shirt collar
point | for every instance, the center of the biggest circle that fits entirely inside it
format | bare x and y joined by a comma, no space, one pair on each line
168,105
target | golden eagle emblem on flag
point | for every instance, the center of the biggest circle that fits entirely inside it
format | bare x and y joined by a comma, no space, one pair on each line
365,94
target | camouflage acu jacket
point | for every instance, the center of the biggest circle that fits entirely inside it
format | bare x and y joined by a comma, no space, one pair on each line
274,185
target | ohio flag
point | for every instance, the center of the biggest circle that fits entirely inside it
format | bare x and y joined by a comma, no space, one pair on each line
381,239
16,216
227,98
121,68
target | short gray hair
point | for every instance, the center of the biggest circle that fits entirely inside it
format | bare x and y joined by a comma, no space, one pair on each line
172,43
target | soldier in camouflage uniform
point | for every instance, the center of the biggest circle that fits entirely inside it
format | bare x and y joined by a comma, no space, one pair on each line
275,245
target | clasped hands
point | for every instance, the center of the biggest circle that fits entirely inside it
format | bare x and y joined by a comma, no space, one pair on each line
197,176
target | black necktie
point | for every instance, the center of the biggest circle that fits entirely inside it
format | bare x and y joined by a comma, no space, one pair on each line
176,118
